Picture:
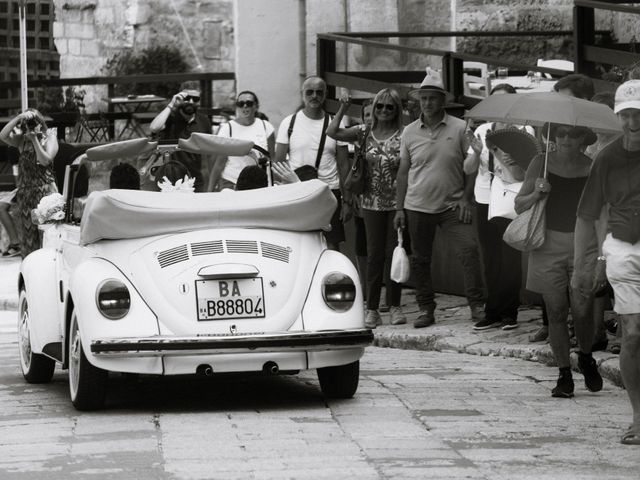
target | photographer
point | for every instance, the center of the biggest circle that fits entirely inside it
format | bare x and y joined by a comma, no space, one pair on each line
179,119
38,147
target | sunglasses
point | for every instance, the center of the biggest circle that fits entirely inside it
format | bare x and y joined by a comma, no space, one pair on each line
389,107
571,132
193,98
245,103
310,93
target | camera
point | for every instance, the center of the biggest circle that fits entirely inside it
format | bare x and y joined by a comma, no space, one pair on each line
29,125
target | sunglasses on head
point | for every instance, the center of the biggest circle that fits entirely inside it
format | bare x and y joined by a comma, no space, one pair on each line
389,107
245,103
310,92
193,98
571,132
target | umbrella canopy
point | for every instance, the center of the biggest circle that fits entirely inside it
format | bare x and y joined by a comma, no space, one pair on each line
539,108
520,145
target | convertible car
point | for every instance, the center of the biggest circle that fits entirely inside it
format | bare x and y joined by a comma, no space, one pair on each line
170,283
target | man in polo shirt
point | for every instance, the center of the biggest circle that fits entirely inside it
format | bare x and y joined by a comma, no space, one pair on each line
614,182
432,191
179,119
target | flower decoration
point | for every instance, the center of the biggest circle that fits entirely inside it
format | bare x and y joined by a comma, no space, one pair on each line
182,185
50,209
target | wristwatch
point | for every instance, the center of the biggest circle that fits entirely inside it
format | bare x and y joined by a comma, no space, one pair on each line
601,258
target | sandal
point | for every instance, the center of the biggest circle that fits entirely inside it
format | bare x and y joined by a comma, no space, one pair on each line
631,436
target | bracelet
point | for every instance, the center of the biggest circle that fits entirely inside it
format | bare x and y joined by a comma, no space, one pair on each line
601,258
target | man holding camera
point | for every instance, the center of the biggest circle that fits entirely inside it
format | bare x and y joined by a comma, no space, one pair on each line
179,119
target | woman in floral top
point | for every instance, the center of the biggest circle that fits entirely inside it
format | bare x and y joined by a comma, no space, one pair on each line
38,146
382,146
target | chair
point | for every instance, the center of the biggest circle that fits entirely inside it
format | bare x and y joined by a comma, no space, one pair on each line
565,65
96,129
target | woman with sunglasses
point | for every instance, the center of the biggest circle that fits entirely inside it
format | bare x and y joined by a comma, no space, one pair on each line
551,266
245,126
38,146
382,146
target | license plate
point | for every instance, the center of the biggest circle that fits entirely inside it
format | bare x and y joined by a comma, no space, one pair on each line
230,299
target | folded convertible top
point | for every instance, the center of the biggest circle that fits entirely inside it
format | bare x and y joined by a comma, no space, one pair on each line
120,214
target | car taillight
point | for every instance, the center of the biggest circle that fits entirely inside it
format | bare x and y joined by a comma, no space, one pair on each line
338,291
113,299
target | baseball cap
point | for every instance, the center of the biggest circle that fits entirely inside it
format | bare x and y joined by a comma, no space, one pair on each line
627,96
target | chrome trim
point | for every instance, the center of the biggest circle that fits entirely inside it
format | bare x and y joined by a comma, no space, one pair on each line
161,345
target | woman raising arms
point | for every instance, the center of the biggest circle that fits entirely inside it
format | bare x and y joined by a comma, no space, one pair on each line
382,150
38,147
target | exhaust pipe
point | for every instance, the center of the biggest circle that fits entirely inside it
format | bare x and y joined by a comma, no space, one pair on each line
271,368
204,370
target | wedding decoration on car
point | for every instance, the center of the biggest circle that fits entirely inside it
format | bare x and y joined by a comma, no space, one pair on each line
50,209
182,185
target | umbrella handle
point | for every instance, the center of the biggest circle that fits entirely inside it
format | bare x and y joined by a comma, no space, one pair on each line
546,152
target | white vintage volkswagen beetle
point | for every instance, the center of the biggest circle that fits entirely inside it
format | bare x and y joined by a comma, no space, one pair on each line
175,283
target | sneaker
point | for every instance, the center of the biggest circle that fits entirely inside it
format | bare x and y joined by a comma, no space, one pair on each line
589,368
372,319
487,323
477,313
12,250
564,387
425,319
397,316
509,324
541,334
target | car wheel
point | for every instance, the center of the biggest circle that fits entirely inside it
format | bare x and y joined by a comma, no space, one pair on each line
87,384
340,381
36,368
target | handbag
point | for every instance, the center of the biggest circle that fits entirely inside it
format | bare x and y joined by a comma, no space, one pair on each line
356,181
502,198
526,231
400,270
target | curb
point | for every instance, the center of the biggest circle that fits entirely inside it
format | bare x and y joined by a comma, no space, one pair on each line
608,364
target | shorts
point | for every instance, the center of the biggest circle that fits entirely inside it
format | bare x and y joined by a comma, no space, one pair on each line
623,273
336,235
550,267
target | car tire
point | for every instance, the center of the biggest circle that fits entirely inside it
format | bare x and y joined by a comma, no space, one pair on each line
87,383
340,381
36,368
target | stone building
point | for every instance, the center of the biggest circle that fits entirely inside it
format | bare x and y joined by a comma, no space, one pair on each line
270,44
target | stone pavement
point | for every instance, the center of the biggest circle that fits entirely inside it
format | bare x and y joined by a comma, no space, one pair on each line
452,332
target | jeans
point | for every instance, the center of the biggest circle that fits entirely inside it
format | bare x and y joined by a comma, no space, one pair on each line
381,240
502,267
422,229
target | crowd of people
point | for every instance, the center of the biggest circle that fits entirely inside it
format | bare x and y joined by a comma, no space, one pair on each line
432,173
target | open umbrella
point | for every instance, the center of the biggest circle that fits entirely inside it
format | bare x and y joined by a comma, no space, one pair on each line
546,107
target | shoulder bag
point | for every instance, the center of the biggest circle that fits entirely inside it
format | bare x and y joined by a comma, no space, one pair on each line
356,181
526,231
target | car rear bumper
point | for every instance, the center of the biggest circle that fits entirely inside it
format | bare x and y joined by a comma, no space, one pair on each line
217,344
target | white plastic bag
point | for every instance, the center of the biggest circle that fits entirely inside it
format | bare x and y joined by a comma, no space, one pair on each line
399,262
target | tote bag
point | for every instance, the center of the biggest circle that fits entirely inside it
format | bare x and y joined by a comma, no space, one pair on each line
399,262
526,231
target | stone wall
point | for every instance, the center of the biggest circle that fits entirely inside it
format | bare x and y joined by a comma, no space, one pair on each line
88,33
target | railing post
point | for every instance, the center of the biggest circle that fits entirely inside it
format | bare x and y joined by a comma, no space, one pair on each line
111,92
583,35
206,91
452,72
326,62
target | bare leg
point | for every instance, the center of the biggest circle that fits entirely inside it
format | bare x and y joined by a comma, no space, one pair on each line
583,324
630,362
557,311
7,223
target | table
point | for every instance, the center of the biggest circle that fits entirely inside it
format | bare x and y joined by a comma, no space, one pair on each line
132,104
